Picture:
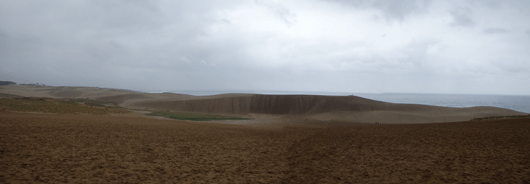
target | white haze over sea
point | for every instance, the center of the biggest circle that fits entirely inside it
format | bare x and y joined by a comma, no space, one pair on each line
514,102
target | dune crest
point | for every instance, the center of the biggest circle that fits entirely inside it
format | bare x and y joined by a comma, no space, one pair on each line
303,107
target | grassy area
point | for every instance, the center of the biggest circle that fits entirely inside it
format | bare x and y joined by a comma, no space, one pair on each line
49,105
94,102
86,106
501,117
193,116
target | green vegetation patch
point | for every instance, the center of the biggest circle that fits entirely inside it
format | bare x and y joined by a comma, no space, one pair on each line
49,105
501,117
94,102
193,116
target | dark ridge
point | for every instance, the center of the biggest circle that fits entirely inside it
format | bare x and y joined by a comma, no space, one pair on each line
5,83
311,104
314,104
227,105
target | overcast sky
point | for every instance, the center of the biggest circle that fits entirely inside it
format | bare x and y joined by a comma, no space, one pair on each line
357,46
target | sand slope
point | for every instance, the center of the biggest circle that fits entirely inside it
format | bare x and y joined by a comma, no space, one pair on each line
301,107
226,105
311,104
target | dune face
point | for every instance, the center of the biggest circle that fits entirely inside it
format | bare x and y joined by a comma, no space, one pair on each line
277,104
307,107
311,104
226,105
269,104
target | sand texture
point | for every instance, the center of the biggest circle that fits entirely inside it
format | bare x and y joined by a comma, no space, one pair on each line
62,148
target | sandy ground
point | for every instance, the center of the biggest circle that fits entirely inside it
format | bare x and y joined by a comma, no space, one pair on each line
52,148
268,108
289,139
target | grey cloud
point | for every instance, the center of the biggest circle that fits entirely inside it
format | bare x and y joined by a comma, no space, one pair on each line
416,51
462,17
412,57
528,32
495,30
401,9
121,14
279,10
392,10
492,4
226,21
510,65
96,37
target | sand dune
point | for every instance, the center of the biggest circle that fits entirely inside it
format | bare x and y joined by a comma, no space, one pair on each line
226,105
433,115
302,107
325,108
292,139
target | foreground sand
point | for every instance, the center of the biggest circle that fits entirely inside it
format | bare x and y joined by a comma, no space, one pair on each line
37,147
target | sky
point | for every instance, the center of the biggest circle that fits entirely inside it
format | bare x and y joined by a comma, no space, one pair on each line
352,46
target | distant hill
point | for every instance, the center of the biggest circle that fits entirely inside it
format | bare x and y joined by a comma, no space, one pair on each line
5,83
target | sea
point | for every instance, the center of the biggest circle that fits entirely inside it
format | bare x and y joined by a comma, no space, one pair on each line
519,103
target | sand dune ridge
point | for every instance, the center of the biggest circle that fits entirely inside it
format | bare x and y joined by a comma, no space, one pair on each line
315,107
